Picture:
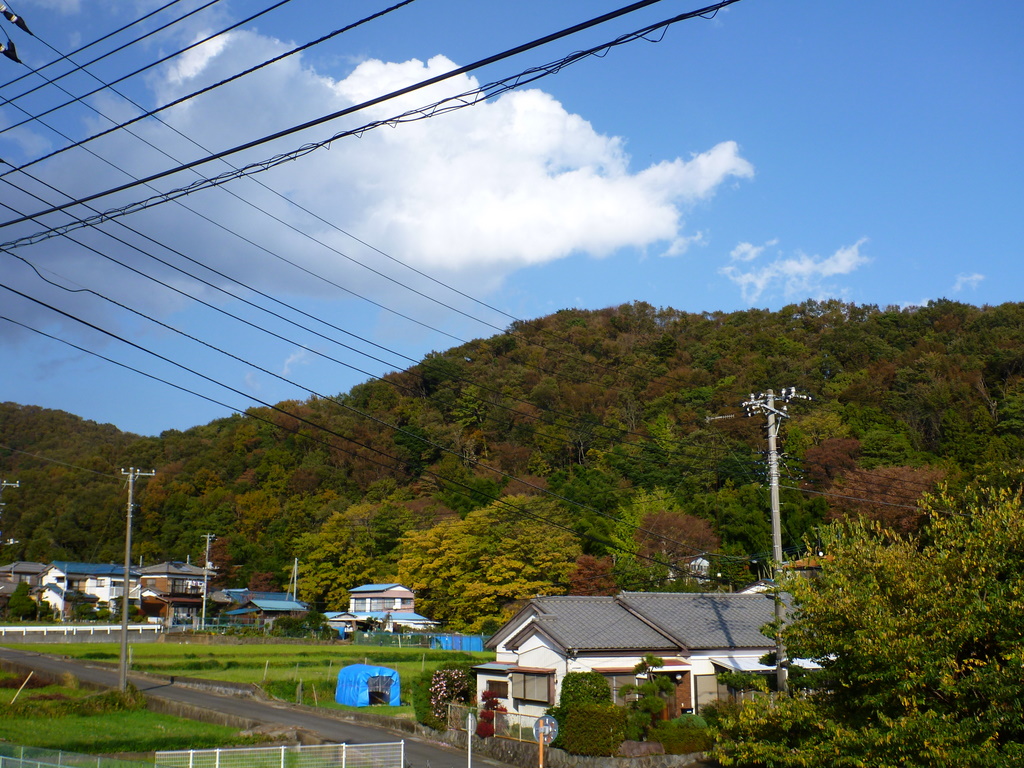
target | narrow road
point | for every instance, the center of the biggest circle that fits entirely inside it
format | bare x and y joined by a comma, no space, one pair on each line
418,753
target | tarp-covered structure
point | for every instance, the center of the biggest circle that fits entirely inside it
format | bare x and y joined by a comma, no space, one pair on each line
360,685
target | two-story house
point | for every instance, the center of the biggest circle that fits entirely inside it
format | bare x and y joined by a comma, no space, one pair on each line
384,605
64,585
172,592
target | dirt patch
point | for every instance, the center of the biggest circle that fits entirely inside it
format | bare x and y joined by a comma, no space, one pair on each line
17,682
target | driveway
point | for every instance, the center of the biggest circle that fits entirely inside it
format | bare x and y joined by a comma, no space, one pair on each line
419,753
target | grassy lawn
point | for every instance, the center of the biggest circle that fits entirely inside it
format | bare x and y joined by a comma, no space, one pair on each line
66,717
278,668
139,731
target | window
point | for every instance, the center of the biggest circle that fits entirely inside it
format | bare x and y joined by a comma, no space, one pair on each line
531,687
616,681
498,687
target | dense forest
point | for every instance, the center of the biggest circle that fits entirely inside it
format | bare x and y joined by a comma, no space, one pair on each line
583,452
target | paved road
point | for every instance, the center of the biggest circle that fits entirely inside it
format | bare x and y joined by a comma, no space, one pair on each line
418,753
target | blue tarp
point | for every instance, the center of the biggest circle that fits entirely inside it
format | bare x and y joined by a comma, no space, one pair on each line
356,682
457,642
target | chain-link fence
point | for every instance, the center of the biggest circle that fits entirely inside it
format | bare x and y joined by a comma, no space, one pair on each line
390,755
445,641
16,756
507,725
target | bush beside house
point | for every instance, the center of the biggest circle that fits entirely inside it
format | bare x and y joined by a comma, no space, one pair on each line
594,730
432,692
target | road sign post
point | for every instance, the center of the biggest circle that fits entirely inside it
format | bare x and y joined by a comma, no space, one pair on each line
545,728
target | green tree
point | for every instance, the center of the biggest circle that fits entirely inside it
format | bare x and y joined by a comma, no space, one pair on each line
21,606
921,644
466,572
650,697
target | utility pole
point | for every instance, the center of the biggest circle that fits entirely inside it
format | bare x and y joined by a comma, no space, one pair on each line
765,403
206,575
132,474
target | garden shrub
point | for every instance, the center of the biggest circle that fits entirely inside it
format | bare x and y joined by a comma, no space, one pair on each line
594,730
578,688
433,691
716,712
489,713
681,736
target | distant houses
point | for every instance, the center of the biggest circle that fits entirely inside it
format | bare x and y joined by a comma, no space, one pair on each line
171,593
379,606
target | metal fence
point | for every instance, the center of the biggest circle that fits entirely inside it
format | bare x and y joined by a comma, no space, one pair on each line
16,756
507,725
390,755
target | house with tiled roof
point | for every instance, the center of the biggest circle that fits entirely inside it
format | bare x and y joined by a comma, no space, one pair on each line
172,592
22,571
387,606
64,584
696,635
265,611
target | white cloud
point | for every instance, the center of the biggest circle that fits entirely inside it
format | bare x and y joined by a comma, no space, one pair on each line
468,196
967,281
749,251
799,275
298,357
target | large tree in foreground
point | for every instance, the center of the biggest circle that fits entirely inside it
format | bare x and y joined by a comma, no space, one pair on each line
921,643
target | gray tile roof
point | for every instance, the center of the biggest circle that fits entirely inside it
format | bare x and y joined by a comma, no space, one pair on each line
647,621
707,620
595,623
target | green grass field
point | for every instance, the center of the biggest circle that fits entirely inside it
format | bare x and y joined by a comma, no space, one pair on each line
276,667
37,721
139,731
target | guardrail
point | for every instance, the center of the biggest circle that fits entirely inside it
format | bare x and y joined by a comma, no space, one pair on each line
77,629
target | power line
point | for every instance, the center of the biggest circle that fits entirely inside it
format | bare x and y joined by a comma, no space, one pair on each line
463,100
161,60
107,36
399,465
153,112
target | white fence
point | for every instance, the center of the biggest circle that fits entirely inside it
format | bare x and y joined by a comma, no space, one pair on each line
390,755
507,725
17,756
78,629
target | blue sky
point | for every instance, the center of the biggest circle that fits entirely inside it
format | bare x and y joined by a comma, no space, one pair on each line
777,152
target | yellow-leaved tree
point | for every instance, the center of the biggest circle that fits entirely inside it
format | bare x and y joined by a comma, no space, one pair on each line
466,573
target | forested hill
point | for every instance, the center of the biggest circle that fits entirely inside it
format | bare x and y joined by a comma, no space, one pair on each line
580,451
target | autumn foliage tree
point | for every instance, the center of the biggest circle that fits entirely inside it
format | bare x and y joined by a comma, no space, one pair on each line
465,572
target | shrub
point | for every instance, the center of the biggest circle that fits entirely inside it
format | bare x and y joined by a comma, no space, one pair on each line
594,730
578,688
681,736
432,692
716,712
489,710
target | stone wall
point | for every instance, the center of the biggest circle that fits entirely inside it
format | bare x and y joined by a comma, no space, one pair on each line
525,754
